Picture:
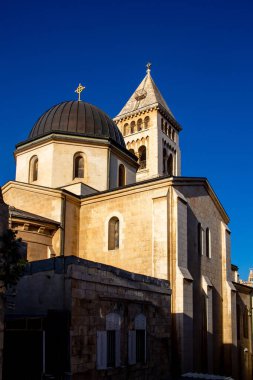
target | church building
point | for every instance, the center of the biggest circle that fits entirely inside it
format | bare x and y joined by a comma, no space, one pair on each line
111,191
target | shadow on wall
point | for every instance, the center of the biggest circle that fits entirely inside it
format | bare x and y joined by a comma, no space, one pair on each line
232,361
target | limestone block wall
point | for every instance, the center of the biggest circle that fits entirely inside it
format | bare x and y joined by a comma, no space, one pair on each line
90,292
130,171
210,261
52,204
55,164
143,226
170,145
3,226
244,318
45,154
147,136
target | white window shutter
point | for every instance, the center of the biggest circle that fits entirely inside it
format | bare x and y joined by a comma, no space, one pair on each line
131,347
101,349
117,348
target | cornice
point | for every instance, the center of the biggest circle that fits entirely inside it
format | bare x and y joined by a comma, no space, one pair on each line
55,137
157,183
57,193
147,109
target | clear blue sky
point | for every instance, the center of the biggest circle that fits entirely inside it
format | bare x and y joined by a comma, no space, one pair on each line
202,58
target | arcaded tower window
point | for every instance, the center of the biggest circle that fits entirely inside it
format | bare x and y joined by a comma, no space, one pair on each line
146,122
122,175
78,166
170,165
33,169
142,157
113,233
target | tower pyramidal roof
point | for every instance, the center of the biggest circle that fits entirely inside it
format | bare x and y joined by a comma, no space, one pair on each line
145,96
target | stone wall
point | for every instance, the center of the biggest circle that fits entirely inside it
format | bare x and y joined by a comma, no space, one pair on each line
244,298
90,292
3,227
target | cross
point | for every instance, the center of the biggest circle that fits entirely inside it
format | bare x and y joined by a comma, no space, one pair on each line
79,89
148,66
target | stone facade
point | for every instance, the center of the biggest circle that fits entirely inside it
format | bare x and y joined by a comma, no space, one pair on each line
164,225
148,125
3,227
88,292
244,326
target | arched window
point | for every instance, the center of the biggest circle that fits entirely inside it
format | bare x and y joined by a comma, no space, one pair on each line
108,343
78,166
33,169
126,129
142,157
139,125
146,122
132,151
164,160
162,124
170,165
122,175
113,233
208,243
132,126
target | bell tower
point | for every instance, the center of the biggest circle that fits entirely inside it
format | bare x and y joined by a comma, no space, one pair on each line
150,131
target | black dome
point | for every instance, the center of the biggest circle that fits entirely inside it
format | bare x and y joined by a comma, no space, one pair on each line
77,118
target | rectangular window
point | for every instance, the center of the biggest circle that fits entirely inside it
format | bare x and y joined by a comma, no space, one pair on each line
140,346
108,349
208,243
111,348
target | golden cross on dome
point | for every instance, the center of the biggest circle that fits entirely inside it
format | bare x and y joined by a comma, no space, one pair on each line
148,66
79,89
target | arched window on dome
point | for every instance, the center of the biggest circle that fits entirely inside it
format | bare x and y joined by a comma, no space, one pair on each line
78,166
142,157
122,175
113,233
170,165
33,169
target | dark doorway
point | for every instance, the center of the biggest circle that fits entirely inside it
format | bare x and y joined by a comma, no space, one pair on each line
37,348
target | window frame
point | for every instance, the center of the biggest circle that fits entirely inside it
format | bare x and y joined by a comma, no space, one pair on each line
113,233
33,164
109,337
137,348
78,155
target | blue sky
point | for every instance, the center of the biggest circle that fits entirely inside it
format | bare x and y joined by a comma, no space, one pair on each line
202,57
